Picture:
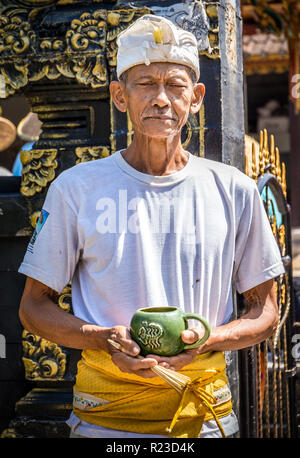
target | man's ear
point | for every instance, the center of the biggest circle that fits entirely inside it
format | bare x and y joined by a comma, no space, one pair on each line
118,94
198,95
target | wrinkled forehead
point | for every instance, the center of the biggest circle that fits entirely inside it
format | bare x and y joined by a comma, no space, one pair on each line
158,70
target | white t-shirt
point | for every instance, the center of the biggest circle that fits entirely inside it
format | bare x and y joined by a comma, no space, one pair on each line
128,240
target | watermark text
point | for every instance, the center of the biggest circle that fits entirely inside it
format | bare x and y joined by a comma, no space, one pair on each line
295,86
137,214
296,347
2,346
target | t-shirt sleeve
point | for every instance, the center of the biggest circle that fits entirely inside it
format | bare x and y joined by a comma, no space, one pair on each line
53,251
257,255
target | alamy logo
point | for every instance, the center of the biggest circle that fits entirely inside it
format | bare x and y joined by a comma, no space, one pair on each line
2,346
162,215
296,347
3,93
295,86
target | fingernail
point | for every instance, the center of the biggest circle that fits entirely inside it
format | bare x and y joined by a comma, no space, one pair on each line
189,334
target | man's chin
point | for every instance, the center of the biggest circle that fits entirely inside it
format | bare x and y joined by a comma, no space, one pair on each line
160,133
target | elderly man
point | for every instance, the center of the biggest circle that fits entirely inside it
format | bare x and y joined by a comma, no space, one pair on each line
152,225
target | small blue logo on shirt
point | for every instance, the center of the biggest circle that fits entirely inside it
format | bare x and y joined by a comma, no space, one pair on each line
41,221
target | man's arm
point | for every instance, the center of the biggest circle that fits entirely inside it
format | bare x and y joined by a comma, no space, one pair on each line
40,315
257,324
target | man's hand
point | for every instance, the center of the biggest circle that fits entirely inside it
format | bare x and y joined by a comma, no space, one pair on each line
125,359
257,324
184,358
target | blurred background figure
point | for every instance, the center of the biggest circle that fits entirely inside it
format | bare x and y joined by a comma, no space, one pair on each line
8,134
28,130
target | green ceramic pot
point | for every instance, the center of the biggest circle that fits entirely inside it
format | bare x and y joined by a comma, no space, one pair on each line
157,330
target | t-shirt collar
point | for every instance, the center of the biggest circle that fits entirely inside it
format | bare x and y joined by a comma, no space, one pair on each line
153,180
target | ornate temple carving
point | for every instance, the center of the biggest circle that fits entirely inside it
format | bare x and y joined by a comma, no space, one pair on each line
265,157
38,170
65,298
81,51
90,153
42,359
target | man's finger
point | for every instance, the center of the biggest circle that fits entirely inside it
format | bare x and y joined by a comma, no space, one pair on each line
133,364
190,336
123,339
162,360
129,348
173,362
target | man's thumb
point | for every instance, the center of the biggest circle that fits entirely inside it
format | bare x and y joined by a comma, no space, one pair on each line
190,336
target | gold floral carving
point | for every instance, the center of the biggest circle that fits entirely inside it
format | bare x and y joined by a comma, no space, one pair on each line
65,298
42,359
16,39
282,238
212,11
16,36
34,218
88,33
263,65
86,52
44,3
38,170
82,53
91,153
265,158
9,433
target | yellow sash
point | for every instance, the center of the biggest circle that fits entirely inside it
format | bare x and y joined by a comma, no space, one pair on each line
113,399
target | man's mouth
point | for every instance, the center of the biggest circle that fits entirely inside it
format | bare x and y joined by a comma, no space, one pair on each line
160,117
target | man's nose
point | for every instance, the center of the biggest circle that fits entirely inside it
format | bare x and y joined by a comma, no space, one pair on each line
161,98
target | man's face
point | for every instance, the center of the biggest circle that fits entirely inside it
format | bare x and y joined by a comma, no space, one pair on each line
159,98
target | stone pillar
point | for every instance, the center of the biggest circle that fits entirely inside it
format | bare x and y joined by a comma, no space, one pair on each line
62,55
